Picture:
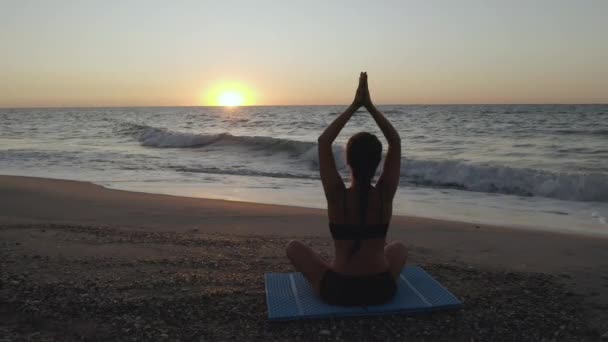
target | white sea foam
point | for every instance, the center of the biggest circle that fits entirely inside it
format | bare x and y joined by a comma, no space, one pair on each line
430,173
155,137
158,137
601,219
507,180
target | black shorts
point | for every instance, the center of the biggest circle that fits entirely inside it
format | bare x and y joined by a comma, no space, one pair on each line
350,290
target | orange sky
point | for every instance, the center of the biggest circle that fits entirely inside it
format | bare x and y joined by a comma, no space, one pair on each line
65,53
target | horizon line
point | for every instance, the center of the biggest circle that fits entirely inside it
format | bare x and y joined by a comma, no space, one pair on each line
314,105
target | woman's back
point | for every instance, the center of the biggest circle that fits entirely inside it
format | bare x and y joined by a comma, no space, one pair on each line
346,227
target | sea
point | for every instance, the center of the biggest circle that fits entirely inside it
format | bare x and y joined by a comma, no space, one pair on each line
541,167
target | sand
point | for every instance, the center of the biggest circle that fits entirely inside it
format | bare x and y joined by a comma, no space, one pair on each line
81,261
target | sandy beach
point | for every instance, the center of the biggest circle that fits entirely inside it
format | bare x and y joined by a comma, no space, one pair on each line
79,261
156,161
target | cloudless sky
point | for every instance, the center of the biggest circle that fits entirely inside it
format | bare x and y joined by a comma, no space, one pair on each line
114,53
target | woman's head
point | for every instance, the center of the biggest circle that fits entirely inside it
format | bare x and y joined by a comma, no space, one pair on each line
363,154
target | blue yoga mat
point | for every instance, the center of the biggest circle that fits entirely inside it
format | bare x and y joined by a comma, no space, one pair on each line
290,297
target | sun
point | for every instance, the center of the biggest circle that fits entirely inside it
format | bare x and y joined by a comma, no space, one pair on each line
231,99
229,94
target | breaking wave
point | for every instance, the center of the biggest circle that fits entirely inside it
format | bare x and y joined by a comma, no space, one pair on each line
452,174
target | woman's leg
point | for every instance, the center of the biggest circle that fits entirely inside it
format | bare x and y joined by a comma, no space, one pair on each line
306,261
396,255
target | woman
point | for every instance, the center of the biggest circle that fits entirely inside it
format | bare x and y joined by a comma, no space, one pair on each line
365,269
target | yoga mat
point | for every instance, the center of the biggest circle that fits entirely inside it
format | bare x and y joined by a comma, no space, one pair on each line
289,296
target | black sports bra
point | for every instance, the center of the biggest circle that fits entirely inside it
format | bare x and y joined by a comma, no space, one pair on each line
349,231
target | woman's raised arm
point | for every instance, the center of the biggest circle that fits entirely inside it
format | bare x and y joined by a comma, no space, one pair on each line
391,172
332,182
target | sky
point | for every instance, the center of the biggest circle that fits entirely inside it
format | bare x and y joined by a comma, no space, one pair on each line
179,53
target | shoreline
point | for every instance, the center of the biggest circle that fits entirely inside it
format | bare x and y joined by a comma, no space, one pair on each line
83,221
215,196
46,200
438,211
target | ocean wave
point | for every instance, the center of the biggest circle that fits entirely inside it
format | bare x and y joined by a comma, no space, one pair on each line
467,177
452,174
244,172
506,180
162,138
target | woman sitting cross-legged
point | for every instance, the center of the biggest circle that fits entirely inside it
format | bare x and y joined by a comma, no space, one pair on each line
365,270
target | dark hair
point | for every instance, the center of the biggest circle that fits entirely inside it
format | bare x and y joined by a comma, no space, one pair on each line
363,155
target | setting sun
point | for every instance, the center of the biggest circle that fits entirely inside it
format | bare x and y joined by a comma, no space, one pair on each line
231,99
229,95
